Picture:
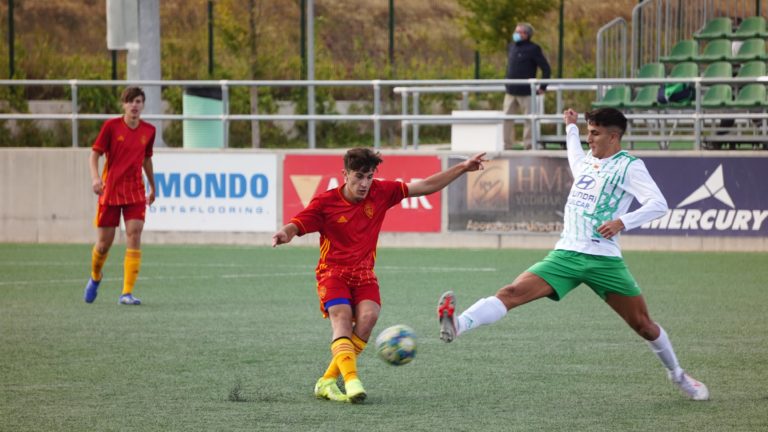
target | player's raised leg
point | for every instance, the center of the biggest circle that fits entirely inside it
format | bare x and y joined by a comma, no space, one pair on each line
526,287
485,311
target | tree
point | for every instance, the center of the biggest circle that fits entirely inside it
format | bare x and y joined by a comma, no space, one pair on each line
491,22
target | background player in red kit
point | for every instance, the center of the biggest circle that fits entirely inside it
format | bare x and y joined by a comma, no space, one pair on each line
127,144
349,219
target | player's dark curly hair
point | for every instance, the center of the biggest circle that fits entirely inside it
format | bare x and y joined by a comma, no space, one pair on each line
362,159
130,93
608,118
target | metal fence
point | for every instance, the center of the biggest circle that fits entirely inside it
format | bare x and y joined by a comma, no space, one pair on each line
696,120
656,26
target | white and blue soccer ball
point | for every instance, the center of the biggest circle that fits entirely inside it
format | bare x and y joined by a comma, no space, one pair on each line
396,345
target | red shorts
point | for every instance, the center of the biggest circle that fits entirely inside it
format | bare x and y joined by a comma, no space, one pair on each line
337,284
109,215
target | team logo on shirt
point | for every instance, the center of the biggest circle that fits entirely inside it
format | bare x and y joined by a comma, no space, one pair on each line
342,219
368,209
143,140
585,182
120,138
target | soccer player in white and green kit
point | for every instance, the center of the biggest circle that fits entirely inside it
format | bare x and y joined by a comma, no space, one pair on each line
606,181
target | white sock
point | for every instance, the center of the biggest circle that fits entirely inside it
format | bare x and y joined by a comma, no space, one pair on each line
485,311
662,347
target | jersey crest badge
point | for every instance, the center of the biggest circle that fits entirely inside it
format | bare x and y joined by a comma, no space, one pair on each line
368,209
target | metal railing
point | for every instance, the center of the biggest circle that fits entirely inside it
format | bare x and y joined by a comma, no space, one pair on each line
695,115
611,54
657,25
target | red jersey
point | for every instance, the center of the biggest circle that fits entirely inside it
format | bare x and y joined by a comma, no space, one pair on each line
125,150
349,231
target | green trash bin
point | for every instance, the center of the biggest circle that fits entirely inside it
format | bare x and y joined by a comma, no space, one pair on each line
203,133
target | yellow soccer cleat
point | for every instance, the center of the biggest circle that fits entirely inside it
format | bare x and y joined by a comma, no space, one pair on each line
355,391
326,388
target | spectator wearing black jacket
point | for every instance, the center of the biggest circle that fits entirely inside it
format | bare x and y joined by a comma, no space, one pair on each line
523,58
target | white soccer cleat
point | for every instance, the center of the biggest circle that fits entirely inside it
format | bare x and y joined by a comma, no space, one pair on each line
692,388
446,309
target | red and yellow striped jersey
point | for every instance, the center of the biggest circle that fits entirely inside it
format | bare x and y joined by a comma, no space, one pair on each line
124,149
349,231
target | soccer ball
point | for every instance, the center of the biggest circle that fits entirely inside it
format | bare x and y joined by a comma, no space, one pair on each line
396,345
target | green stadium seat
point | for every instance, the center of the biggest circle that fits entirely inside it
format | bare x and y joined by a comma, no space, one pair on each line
716,50
683,70
720,69
717,96
716,28
646,97
752,27
615,97
651,70
685,50
751,49
751,69
750,96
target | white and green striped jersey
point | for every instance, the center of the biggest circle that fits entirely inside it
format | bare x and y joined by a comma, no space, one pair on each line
603,190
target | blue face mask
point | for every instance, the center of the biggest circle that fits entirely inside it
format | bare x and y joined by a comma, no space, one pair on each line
516,37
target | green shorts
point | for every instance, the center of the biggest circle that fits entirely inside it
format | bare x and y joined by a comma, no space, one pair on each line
565,270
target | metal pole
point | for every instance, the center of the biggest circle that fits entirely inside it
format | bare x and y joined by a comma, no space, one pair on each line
303,31
392,37
376,113
534,110
560,41
477,64
11,36
311,70
658,36
404,123
225,113
415,126
114,64
210,38
697,120
73,86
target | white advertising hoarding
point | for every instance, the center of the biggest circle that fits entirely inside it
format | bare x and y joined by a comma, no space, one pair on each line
214,192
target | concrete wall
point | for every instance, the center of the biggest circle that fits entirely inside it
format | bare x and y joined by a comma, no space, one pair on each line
46,197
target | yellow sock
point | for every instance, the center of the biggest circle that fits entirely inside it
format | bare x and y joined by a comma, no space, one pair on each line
131,268
97,263
345,358
333,368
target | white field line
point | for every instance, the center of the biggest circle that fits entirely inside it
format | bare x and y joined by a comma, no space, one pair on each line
306,272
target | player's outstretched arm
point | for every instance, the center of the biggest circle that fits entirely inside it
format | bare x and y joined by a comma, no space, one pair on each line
285,234
442,179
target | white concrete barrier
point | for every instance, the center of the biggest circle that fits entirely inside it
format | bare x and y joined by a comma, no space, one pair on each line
477,136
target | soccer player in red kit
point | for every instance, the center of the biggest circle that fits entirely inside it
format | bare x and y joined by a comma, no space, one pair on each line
127,144
349,220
